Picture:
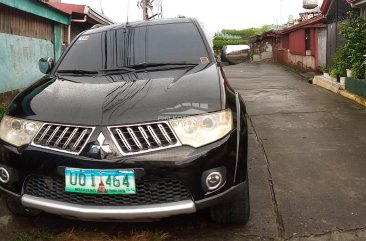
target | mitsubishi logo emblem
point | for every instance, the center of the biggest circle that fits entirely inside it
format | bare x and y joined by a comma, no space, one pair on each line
101,146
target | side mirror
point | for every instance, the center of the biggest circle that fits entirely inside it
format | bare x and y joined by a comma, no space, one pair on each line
218,59
45,65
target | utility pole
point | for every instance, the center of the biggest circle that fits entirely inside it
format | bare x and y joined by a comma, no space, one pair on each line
145,4
148,4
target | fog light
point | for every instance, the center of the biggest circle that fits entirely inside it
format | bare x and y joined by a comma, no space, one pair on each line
213,180
4,175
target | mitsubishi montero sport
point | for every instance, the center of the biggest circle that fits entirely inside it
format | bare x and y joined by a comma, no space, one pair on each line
135,121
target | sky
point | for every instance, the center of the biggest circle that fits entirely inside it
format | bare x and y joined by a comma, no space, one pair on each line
214,14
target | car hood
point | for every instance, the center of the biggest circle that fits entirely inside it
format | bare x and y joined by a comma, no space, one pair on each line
121,99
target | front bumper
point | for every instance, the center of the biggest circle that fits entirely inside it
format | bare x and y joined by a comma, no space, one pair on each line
184,164
109,212
156,211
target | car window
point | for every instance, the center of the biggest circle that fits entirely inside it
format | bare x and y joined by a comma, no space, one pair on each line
175,43
85,54
165,43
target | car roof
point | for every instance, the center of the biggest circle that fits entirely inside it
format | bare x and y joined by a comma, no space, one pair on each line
139,24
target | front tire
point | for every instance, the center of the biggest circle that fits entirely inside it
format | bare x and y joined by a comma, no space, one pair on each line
235,212
16,208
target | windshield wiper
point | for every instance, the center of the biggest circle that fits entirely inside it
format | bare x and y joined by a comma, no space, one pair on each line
147,65
118,70
77,71
162,66
123,68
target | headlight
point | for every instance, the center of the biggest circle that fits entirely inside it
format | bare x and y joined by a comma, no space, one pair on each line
201,130
18,132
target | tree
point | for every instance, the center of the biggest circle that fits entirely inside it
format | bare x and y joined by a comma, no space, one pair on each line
236,37
352,54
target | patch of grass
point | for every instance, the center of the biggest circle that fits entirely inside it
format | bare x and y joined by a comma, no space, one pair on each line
73,235
35,235
357,107
135,236
23,237
362,109
2,110
149,236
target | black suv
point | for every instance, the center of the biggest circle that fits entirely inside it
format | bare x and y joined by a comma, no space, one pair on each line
135,121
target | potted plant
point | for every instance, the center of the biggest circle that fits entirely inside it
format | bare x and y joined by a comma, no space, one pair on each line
340,65
349,73
325,71
334,73
342,81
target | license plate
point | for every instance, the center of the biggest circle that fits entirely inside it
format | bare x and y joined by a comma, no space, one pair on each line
100,181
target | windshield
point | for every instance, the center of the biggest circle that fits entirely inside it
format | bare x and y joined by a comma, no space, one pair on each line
165,43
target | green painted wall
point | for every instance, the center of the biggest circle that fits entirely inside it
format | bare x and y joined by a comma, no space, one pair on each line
39,9
19,60
357,86
57,33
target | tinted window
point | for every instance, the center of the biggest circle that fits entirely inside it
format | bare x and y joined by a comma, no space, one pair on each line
86,52
166,43
175,43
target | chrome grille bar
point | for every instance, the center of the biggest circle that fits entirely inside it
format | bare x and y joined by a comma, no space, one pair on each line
144,135
79,140
44,134
134,138
63,138
164,133
120,134
142,138
52,135
70,137
152,132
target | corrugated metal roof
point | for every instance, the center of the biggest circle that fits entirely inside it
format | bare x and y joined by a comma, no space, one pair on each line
68,8
81,9
313,22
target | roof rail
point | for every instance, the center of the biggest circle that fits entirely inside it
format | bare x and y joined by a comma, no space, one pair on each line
97,26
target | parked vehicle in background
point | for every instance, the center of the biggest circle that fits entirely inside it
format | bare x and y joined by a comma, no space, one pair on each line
235,54
136,121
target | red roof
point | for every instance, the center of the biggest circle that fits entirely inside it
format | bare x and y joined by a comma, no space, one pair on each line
325,6
68,8
315,22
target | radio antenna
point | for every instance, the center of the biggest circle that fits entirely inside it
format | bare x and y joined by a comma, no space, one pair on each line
128,10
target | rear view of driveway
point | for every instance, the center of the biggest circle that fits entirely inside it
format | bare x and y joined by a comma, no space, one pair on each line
314,142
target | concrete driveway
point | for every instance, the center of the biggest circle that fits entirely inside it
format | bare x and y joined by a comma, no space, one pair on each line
307,168
314,143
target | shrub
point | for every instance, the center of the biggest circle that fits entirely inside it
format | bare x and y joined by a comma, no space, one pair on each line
354,31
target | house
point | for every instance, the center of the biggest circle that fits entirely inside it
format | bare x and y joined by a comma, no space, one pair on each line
29,30
301,45
335,12
360,4
261,46
82,18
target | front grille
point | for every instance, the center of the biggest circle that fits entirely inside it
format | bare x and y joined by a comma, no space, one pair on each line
147,192
135,139
64,138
